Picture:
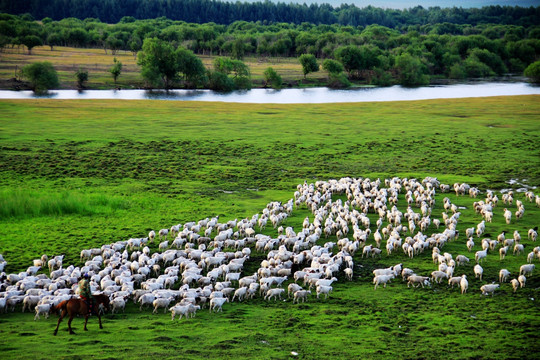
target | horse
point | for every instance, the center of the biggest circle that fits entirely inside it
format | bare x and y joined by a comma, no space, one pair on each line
76,306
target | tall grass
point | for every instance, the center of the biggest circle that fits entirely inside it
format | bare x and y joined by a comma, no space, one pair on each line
20,203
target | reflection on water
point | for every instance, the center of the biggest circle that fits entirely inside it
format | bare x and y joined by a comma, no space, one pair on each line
296,96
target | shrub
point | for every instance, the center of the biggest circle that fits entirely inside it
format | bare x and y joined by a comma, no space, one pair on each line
533,72
41,75
82,77
273,78
338,81
219,81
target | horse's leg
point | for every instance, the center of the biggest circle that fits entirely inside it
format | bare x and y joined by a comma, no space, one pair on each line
85,322
69,324
58,324
99,318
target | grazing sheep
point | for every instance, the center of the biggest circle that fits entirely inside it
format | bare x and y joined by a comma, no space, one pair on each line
526,269
478,271
42,309
455,280
533,234
518,249
382,279
515,284
470,244
183,310
322,289
480,255
530,257
489,289
462,259
349,273
522,280
438,276
151,235
416,280
292,288
503,275
507,215
301,294
274,293
163,233
502,252
161,303
464,284
240,293
217,303
117,303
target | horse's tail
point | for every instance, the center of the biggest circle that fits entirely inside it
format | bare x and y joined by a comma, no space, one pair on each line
60,307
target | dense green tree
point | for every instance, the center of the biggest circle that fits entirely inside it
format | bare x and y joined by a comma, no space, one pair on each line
158,61
191,67
219,81
309,63
82,77
338,81
42,76
272,78
533,72
116,69
54,39
474,68
411,71
31,41
332,66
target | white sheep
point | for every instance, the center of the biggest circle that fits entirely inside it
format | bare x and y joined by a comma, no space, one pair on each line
292,288
240,293
163,233
533,234
183,310
522,281
502,252
322,289
161,303
478,271
507,215
274,293
526,269
151,235
438,276
382,279
489,289
515,284
470,244
455,280
416,280
518,249
118,303
301,294
480,255
464,284
217,303
462,259
503,275
42,309
349,273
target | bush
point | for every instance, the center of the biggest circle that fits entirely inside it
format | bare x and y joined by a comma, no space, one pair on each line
41,75
242,82
382,78
457,72
309,63
533,72
82,77
338,81
273,78
474,68
332,66
219,81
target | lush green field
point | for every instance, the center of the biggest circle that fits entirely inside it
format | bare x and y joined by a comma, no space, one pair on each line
80,174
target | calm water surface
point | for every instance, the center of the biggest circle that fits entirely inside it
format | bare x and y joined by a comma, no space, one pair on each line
297,96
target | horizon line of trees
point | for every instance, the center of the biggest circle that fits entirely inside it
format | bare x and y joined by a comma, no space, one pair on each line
225,12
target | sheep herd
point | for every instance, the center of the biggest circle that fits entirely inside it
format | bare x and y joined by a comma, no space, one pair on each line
201,264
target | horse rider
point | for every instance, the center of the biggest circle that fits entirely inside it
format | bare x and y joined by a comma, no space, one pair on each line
86,293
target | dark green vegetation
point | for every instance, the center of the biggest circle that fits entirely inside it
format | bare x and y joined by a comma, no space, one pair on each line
374,54
42,76
226,12
116,170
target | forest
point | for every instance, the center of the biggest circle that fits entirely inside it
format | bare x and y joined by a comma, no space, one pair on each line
227,12
414,51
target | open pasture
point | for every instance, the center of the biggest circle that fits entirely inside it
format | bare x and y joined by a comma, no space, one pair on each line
106,171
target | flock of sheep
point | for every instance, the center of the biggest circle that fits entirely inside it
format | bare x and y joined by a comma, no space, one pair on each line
201,263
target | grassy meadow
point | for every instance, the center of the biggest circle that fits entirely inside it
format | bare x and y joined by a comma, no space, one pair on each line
80,174
67,60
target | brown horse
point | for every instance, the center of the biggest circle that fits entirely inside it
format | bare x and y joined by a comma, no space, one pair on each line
75,306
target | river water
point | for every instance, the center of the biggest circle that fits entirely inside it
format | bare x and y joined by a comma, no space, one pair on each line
298,96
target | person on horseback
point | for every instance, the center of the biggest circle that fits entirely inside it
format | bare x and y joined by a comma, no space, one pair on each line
86,293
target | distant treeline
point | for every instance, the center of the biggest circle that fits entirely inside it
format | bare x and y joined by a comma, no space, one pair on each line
223,12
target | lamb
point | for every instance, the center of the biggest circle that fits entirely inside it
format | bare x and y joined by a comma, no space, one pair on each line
322,289
518,249
462,259
522,280
301,294
533,234
530,257
489,289
274,293
503,275
502,252
507,215
42,309
382,279
480,255
118,303
217,303
161,303
292,288
416,280
456,280
438,276
470,244
464,284
515,284
526,269
478,271
349,273
240,293
183,310
163,233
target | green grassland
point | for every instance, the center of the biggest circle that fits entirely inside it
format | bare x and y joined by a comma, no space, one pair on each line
80,174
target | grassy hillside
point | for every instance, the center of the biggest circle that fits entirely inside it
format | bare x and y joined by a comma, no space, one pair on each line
80,174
